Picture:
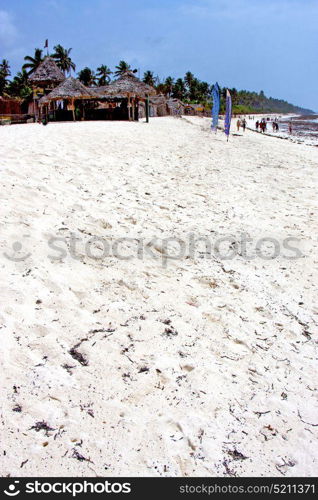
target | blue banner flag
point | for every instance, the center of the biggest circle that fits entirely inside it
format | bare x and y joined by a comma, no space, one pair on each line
228,114
216,106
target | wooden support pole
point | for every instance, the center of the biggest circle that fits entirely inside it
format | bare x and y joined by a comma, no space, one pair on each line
34,110
137,109
129,108
73,110
147,109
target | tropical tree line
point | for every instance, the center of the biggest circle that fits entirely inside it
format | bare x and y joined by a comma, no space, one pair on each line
188,88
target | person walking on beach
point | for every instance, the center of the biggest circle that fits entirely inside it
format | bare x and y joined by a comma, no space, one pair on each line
238,124
263,125
244,124
290,127
257,125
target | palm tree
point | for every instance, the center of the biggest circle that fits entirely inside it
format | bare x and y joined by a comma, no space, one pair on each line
4,73
179,89
122,67
169,85
103,73
149,78
160,88
33,62
87,77
195,90
188,78
3,84
234,96
19,87
62,58
5,68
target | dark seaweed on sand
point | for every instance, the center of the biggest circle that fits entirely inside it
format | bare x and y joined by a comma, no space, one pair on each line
42,426
78,356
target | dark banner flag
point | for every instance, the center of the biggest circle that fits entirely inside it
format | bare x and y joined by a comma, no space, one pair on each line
228,114
216,106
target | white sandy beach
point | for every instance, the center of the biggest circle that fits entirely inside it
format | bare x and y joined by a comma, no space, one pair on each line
196,366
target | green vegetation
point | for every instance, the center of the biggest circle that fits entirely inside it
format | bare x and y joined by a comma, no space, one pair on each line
4,73
188,89
103,74
33,62
63,59
87,77
121,68
245,102
19,86
149,78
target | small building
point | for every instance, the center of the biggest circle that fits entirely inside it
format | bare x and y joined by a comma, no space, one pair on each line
11,110
196,110
45,78
175,106
123,99
67,101
158,105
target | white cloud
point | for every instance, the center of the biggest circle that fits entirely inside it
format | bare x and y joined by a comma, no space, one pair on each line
8,31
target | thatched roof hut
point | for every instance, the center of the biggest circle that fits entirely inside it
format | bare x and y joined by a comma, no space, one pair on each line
70,89
157,106
127,85
47,72
175,106
127,88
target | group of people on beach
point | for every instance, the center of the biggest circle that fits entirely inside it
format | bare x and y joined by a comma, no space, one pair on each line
241,123
261,125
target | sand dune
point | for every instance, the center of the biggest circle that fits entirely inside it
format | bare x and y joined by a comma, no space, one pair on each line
172,362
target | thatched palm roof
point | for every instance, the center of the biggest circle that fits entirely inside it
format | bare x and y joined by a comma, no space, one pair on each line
174,103
99,91
126,84
47,71
159,99
69,89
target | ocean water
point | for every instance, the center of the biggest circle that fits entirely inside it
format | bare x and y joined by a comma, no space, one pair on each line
304,127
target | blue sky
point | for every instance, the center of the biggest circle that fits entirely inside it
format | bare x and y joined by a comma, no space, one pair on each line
269,45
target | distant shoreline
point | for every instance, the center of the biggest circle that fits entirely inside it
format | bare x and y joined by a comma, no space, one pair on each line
304,133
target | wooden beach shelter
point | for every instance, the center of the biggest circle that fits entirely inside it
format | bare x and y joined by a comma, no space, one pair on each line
129,90
67,92
46,76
